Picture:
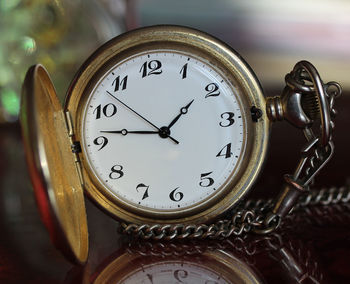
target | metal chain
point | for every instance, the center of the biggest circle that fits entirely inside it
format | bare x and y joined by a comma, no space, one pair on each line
296,256
240,246
263,217
293,254
248,217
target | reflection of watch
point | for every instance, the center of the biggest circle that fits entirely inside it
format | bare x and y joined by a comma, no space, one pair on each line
163,125
235,260
210,267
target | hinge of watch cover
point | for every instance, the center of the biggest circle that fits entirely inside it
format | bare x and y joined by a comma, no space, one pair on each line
75,145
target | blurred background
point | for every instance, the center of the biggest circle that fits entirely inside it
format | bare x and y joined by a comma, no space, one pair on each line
270,35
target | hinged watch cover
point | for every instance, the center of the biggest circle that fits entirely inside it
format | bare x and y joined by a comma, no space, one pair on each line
57,187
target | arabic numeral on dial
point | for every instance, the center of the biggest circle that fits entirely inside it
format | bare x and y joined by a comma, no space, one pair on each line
228,119
183,71
108,110
152,67
206,181
101,141
176,196
180,275
144,187
212,89
225,152
117,83
116,172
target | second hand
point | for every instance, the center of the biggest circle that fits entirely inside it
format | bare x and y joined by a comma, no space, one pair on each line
145,119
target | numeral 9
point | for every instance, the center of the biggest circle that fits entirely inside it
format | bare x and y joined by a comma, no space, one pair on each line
101,140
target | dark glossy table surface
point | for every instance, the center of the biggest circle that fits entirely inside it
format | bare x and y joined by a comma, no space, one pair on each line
311,247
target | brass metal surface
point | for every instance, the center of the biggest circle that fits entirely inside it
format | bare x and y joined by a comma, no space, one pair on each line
51,165
227,63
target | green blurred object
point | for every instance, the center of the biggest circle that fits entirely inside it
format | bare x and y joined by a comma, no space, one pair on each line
10,101
60,34
28,45
7,5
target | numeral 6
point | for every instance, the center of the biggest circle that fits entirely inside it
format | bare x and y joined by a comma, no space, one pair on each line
176,196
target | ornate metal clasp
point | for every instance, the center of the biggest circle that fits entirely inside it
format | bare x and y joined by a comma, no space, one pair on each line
307,103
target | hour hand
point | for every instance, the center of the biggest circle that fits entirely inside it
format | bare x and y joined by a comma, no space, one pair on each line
126,132
183,111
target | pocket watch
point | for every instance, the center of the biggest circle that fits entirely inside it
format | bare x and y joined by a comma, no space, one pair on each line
165,126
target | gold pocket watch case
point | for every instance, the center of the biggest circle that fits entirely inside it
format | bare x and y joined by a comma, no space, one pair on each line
161,125
119,68
57,187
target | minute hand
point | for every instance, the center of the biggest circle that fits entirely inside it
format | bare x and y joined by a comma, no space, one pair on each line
183,110
145,119
125,132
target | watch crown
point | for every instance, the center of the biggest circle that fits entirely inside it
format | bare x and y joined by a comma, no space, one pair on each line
297,108
299,103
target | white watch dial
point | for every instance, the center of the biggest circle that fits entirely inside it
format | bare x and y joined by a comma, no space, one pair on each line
163,130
